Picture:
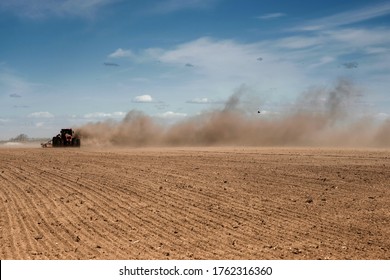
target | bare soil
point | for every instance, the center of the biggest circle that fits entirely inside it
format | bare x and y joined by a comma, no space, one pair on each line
194,203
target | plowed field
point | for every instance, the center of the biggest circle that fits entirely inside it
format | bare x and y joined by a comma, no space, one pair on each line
194,203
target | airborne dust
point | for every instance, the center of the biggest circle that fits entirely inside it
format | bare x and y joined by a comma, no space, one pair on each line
319,117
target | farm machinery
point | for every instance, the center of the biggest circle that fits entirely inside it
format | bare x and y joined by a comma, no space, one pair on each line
66,138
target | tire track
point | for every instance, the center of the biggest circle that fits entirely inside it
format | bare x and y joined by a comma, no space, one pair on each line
8,237
72,225
67,226
64,176
38,206
21,240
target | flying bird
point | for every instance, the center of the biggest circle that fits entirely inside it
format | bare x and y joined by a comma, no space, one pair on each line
350,65
15,95
110,64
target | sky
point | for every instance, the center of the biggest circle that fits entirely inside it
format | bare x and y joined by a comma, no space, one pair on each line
65,63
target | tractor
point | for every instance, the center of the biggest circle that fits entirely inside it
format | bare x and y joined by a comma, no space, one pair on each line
66,138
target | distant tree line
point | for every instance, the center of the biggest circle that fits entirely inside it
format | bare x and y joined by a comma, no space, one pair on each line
24,138
20,138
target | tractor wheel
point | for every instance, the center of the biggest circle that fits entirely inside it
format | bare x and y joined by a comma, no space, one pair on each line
56,142
76,142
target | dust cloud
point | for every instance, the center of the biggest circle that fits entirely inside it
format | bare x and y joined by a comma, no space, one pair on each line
319,117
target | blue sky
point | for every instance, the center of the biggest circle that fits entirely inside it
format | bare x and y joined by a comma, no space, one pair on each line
64,63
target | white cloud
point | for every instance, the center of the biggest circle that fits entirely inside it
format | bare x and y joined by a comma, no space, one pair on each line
143,56
203,100
13,83
345,18
143,99
222,65
377,50
298,42
119,114
199,100
45,8
98,115
153,53
271,16
322,61
289,65
39,124
171,115
121,53
170,6
359,37
325,47
41,115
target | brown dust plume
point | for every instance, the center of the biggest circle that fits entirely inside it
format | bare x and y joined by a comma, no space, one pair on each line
319,117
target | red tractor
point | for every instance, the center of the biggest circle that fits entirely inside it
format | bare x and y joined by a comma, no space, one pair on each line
66,138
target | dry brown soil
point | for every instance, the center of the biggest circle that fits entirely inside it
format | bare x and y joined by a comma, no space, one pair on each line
194,203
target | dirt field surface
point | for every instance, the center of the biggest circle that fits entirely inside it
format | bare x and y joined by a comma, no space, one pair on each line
194,203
